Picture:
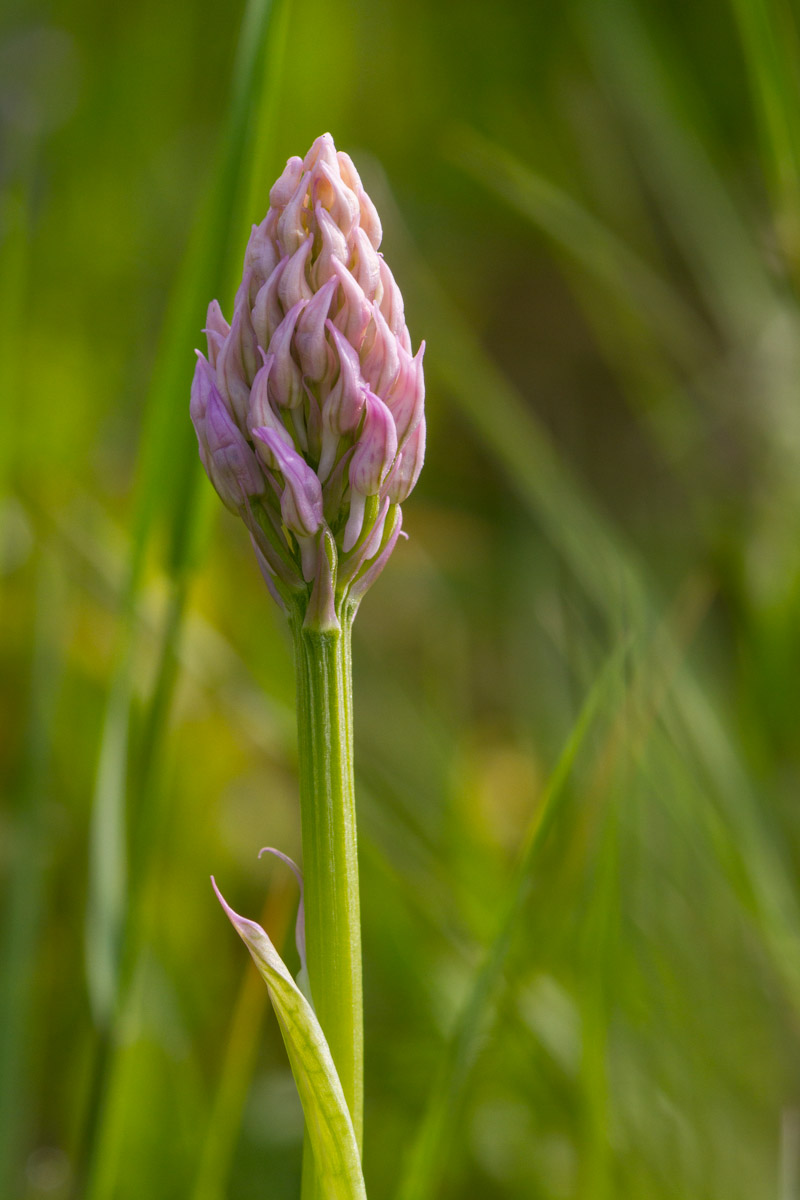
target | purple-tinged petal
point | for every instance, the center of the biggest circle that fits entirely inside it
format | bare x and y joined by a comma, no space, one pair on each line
322,151
267,309
372,458
286,380
375,449
348,172
262,412
261,256
381,364
392,301
293,284
402,478
329,190
355,312
238,363
342,410
284,188
366,265
216,331
332,246
309,339
293,221
369,219
301,501
202,384
406,397
232,466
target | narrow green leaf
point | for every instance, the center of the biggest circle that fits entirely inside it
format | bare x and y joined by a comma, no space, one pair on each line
435,1133
599,251
716,239
609,570
168,499
328,1122
771,47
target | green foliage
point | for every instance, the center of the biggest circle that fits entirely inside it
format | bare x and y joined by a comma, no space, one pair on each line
330,1128
592,210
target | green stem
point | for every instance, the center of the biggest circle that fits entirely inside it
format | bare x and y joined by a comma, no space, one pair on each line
330,860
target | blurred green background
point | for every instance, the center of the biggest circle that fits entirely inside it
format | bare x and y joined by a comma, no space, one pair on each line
576,685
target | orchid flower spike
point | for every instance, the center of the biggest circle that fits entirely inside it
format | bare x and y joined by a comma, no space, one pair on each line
309,408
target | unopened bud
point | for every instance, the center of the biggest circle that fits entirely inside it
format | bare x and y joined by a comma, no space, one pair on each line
309,410
228,459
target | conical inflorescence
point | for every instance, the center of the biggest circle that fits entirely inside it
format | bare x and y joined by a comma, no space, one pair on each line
309,408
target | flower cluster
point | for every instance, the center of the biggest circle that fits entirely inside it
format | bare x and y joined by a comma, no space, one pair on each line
309,408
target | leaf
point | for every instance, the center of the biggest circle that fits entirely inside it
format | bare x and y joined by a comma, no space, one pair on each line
436,1132
328,1122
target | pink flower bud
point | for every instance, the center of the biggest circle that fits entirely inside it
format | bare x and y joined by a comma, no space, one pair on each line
340,201
237,363
373,456
402,478
322,152
332,245
312,348
286,381
231,465
293,221
381,363
366,266
316,374
216,331
283,189
392,306
267,309
261,256
293,284
301,500
202,385
262,414
369,219
406,397
355,313
342,410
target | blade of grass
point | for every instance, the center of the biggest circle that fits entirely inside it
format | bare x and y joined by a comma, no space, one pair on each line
636,706
717,243
22,909
422,1175
649,335
168,487
769,40
509,429
607,569
597,250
